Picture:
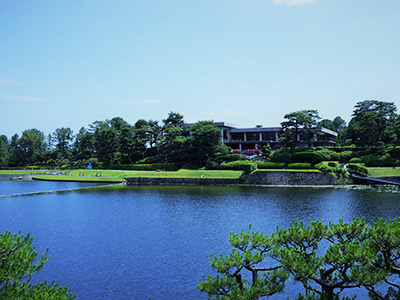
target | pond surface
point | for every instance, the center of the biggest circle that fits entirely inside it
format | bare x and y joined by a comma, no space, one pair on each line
154,242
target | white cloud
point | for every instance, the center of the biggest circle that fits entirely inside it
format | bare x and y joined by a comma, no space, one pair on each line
22,98
6,82
293,2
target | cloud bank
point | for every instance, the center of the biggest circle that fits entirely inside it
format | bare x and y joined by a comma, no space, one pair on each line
293,2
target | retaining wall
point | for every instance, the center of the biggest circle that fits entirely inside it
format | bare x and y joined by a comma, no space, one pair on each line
15,176
289,178
179,181
255,178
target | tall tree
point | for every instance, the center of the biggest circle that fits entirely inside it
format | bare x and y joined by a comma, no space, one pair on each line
328,124
4,155
105,142
174,119
83,147
154,136
142,138
370,121
174,143
339,123
303,121
205,142
29,149
62,138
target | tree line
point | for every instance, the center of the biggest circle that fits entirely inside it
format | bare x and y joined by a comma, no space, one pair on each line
103,143
115,141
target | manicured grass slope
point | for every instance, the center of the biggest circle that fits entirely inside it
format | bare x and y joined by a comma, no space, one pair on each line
383,172
118,176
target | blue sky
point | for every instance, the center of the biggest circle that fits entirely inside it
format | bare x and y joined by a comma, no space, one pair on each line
247,62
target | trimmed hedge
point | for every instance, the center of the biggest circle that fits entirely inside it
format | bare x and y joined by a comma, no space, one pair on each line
336,172
357,169
281,155
299,166
147,167
307,157
270,165
237,165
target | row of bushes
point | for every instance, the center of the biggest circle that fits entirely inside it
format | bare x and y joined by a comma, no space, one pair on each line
147,167
249,165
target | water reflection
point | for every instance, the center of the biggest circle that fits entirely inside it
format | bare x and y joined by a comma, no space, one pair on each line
154,242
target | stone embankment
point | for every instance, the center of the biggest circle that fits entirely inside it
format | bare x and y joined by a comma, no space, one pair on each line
284,178
179,181
289,178
15,177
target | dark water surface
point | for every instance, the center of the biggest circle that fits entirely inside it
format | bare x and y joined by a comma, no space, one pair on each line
155,242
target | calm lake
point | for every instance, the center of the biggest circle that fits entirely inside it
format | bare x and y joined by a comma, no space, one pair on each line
154,242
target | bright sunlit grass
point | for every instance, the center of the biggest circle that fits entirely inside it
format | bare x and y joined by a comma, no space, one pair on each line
383,172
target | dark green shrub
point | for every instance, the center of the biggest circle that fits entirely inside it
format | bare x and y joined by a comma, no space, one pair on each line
270,165
211,165
249,168
237,165
373,160
345,156
355,160
299,166
310,157
357,169
395,152
233,157
328,154
281,155
338,173
334,164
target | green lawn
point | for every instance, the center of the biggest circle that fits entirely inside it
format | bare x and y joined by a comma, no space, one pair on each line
384,172
118,176
24,172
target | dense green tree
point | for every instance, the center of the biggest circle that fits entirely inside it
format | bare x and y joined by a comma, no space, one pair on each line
61,139
83,147
174,145
339,123
105,142
174,119
142,138
154,132
19,261
370,122
126,143
29,149
205,142
4,155
328,124
325,259
304,122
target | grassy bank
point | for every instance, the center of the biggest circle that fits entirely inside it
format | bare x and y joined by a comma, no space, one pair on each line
24,172
118,176
384,172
